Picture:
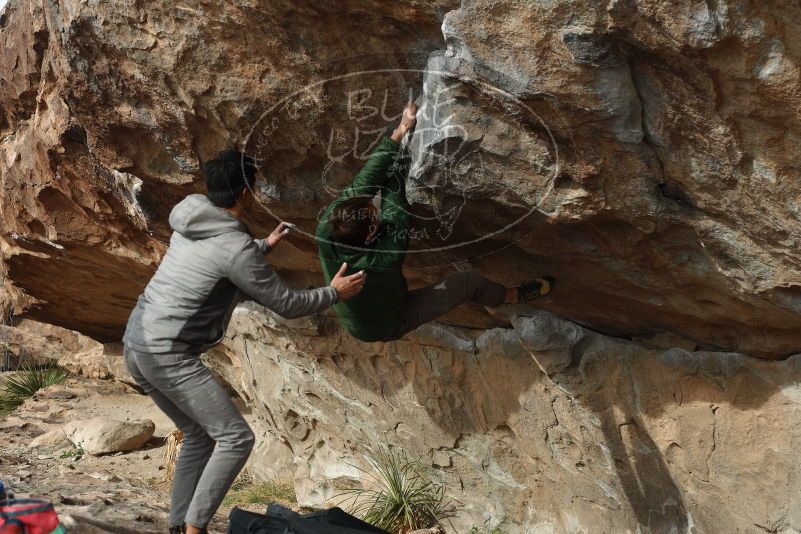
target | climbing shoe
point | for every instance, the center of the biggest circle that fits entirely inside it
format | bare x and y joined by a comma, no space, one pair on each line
178,529
536,289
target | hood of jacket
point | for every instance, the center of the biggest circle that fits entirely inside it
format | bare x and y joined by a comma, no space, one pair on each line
195,217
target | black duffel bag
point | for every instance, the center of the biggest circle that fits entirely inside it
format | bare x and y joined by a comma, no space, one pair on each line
281,520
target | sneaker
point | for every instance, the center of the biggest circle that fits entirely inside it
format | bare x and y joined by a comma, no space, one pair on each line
178,529
536,289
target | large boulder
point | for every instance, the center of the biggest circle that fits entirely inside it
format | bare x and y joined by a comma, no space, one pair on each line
103,435
642,151
619,435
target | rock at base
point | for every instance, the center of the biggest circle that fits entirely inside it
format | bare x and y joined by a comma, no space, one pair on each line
54,438
103,435
86,525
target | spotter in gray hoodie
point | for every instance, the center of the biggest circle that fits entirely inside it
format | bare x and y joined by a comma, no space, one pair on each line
211,262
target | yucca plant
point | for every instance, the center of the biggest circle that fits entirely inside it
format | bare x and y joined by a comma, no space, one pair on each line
404,497
24,382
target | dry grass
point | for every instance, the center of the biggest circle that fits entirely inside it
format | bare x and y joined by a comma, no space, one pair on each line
174,441
245,490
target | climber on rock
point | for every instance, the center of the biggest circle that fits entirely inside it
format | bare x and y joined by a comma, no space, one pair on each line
212,260
354,231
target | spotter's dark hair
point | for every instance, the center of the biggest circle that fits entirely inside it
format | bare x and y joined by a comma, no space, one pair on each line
227,175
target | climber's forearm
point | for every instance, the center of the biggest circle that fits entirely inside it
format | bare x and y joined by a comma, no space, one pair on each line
407,122
376,170
370,179
398,134
374,173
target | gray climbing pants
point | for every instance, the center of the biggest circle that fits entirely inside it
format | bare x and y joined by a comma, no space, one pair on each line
184,389
430,302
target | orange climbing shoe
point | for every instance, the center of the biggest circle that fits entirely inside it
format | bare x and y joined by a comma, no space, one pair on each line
536,289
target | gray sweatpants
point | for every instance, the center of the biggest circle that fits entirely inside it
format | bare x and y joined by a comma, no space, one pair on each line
184,389
430,302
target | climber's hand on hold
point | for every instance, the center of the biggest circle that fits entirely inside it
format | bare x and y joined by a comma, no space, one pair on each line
279,233
407,122
348,286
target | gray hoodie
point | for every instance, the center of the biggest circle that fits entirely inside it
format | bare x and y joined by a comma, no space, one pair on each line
212,260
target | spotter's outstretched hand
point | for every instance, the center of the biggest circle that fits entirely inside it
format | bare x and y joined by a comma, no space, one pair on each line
348,286
279,233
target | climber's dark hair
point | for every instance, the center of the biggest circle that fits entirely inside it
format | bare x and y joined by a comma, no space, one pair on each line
351,221
225,177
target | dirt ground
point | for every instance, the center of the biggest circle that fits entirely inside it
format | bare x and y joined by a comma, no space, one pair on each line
122,492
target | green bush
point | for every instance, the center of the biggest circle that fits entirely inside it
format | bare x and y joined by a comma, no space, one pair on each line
25,382
72,453
405,498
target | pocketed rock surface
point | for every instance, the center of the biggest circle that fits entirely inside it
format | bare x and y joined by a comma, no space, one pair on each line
543,427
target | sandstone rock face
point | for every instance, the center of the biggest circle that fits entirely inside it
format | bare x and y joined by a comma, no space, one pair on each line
106,111
103,435
642,152
624,436
32,342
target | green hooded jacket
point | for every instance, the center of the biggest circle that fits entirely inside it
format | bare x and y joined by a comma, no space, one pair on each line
375,313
